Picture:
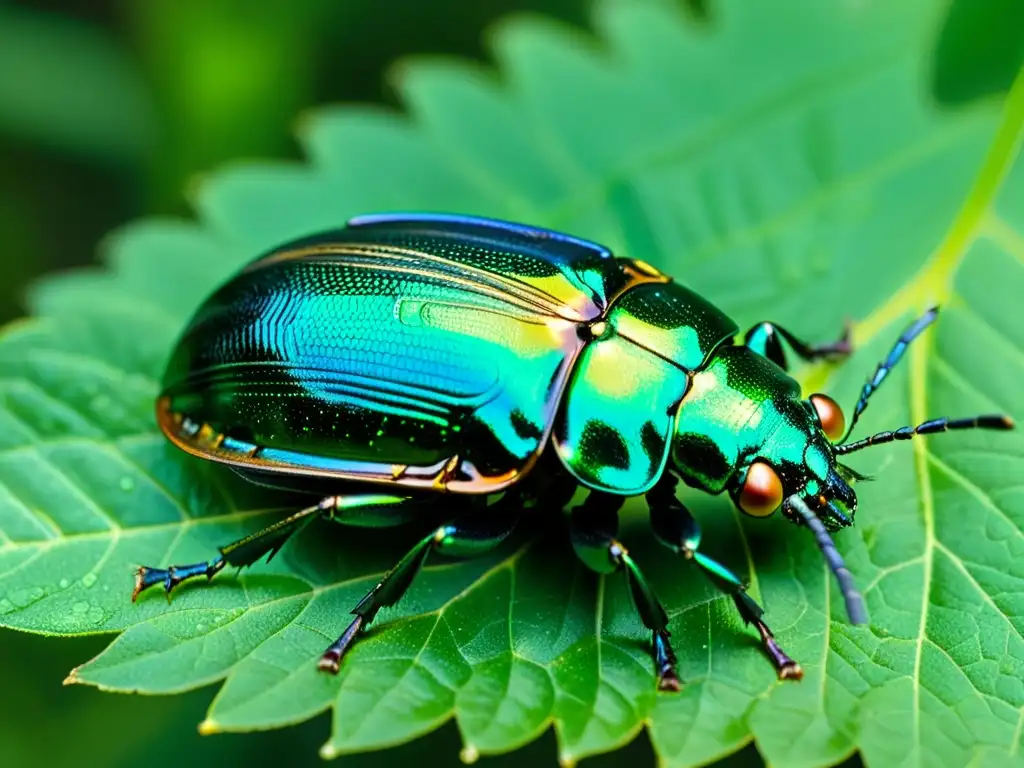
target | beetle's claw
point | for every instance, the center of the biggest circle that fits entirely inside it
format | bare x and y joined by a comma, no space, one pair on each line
329,662
791,671
146,577
842,347
665,663
669,682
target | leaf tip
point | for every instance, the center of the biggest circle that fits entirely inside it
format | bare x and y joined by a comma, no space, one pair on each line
469,754
72,678
565,760
328,751
208,727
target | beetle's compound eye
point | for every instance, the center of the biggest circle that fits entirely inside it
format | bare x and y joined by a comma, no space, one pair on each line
762,491
833,423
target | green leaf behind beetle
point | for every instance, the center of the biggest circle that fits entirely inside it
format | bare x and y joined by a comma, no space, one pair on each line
788,164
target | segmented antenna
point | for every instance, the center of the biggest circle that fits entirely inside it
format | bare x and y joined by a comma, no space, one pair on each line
894,356
854,601
988,421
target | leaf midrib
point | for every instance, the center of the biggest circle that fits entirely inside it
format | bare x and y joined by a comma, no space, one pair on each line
933,281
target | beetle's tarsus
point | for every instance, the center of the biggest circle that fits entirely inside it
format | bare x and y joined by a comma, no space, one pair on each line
787,668
146,577
669,682
791,671
330,661
140,584
665,663
843,347
838,350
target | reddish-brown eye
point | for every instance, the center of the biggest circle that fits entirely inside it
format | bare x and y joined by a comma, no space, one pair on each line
762,490
833,423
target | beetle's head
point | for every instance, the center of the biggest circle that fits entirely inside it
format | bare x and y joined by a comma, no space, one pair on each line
798,468
799,460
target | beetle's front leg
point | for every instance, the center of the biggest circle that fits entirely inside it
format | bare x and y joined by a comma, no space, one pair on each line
676,528
766,339
595,524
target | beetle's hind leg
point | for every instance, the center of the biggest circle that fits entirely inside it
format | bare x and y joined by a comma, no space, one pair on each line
268,541
766,340
595,524
675,527
478,531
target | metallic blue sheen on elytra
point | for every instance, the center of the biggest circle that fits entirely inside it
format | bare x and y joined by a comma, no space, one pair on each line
446,222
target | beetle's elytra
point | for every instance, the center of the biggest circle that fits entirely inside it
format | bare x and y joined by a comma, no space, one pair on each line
411,355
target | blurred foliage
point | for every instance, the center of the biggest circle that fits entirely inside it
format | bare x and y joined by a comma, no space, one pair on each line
108,108
980,49
82,95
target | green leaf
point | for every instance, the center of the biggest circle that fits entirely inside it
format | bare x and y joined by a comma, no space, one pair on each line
789,164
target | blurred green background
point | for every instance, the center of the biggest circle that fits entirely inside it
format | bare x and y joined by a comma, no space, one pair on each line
110,110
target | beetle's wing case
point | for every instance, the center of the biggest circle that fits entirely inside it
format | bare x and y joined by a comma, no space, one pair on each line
427,351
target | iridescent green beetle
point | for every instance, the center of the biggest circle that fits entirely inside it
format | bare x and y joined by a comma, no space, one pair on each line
412,362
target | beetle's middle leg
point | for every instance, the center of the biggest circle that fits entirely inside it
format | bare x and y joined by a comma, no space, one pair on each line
766,339
478,531
676,528
595,524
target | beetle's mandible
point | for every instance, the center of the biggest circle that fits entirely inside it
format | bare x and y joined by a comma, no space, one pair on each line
409,356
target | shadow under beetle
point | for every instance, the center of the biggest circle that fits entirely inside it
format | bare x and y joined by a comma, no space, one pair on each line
408,358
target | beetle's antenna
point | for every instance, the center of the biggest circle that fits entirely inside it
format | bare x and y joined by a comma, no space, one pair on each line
854,602
894,356
989,421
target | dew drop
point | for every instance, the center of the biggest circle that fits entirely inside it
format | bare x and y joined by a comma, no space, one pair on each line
36,593
127,483
88,580
80,607
200,627
64,583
